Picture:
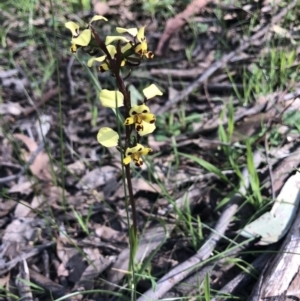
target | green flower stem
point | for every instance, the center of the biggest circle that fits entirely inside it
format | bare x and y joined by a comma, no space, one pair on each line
131,199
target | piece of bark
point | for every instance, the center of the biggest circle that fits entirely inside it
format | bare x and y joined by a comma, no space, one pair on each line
281,279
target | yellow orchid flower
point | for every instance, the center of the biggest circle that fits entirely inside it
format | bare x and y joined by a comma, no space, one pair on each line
135,153
141,47
111,99
80,39
142,118
108,137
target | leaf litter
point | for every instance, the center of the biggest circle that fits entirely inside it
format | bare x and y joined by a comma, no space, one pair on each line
62,206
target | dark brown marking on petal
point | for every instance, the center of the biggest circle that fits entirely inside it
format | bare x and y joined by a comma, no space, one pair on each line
129,154
150,55
101,69
134,113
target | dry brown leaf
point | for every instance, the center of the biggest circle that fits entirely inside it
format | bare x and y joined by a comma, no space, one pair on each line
97,177
18,234
55,195
100,8
73,263
6,205
77,168
174,24
23,188
11,108
40,166
62,271
92,253
108,233
4,280
64,254
24,209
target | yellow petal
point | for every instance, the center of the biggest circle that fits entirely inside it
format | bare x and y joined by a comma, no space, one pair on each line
73,27
151,91
98,17
112,50
111,99
150,118
147,129
110,39
107,137
129,120
139,109
131,31
146,151
73,48
133,150
97,59
138,49
127,160
126,47
143,47
104,67
83,39
141,34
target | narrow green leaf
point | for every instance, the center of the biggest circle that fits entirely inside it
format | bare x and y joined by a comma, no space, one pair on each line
206,165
